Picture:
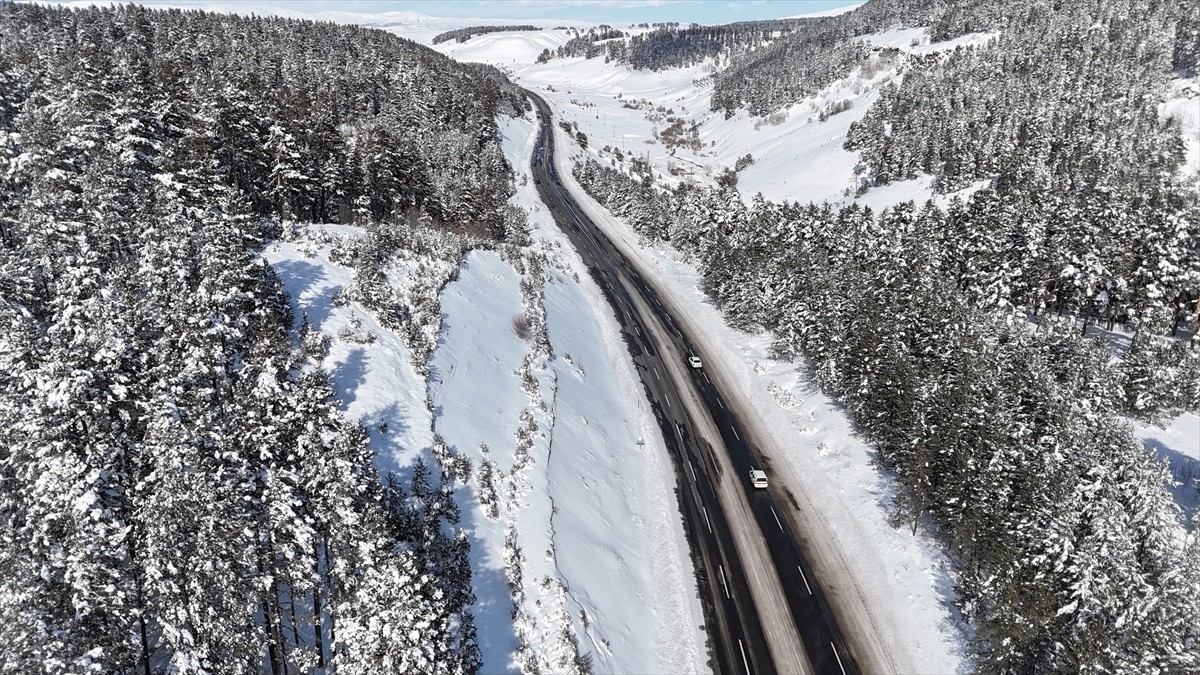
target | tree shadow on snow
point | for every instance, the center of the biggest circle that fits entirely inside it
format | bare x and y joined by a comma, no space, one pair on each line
1185,471
301,277
493,599
348,375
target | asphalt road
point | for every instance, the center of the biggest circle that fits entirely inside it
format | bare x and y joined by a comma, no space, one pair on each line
765,609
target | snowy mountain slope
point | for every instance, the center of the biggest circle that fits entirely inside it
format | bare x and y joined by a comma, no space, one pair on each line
503,49
602,571
796,156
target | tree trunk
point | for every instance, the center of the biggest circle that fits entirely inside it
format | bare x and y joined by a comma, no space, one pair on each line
131,550
270,609
276,656
318,612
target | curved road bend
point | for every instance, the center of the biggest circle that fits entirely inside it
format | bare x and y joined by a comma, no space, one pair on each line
742,584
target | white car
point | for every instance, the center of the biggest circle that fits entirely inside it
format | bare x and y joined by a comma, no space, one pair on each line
758,478
694,361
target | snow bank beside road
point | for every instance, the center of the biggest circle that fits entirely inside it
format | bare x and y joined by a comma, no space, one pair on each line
616,527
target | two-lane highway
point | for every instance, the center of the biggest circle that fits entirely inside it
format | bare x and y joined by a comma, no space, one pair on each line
765,609
738,644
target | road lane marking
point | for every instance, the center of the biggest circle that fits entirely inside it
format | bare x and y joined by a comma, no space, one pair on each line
719,403
776,518
735,433
656,374
805,580
668,400
693,469
721,569
744,661
706,377
678,433
706,520
838,658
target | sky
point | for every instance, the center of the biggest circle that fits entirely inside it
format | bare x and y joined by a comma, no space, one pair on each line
616,12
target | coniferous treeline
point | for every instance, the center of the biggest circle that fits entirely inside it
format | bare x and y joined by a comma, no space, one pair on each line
1007,438
1011,104
819,51
463,34
1186,56
178,491
347,124
1088,212
588,44
826,49
670,46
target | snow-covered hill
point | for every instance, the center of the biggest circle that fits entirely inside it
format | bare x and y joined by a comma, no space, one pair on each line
797,156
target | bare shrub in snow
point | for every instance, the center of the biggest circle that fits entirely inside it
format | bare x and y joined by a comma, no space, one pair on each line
355,332
520,326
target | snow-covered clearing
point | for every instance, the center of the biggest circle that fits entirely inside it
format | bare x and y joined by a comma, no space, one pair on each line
602,556
369,365
1184,105
1178,442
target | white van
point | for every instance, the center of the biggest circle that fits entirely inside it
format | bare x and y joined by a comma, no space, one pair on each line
758,478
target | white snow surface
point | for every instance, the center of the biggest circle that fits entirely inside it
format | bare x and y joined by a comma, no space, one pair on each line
609,501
